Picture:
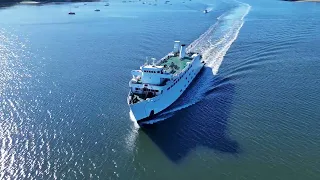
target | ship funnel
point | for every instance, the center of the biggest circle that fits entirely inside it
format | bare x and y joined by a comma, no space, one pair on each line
176,46
182,51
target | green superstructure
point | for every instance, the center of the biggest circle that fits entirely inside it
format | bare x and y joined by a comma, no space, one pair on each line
175,63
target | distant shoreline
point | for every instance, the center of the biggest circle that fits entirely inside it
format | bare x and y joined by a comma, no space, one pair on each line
310,0
8,3
303,0
29,2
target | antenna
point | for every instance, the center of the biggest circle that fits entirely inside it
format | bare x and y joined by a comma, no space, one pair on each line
153,59
146,63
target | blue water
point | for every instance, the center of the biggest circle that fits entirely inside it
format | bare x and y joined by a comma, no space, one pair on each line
252,112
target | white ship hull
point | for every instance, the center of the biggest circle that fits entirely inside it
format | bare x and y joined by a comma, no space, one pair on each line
146,109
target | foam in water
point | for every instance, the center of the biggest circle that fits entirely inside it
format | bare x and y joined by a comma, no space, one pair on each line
216,41
133,119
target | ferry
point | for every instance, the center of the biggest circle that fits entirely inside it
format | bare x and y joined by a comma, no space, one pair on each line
154,87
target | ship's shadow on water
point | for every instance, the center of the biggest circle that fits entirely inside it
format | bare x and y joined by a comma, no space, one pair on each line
202,124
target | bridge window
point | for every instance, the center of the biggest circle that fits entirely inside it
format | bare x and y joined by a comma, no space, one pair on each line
158,71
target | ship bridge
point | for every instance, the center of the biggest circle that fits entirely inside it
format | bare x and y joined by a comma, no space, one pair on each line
151,79
150,74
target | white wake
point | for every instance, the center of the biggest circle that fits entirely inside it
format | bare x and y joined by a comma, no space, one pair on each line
215,42
213,45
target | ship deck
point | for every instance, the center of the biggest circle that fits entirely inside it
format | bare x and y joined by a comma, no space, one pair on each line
176,64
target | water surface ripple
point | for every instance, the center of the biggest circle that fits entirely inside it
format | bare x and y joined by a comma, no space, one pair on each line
252,112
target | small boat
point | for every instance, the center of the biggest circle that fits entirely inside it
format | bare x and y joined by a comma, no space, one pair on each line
71,12
107,3
97,10
205,11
